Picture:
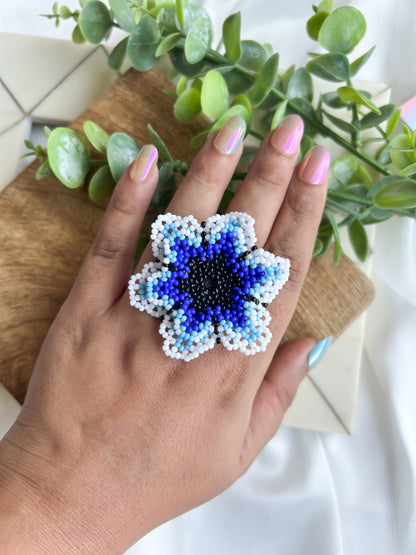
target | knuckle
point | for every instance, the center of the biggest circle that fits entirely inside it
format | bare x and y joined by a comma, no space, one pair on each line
303,206
204,176
108,248
284,397
123,205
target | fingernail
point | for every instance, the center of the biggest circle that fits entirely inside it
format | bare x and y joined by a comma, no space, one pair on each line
318,351
287,136
314,167
230,136
144,162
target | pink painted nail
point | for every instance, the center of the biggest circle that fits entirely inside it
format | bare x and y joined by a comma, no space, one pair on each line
314,167
230,135
287,136
146,159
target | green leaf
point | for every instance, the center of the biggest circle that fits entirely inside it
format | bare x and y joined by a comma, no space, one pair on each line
95,21
40,152
359,62
47,130
300,85
238,82
179,12
159,144
384,154
142,44
44,170
192,12
314,24
349,94
333,100
409,170
77,36
331,67
231,30
279,114
401,152
181,85
29,144
371,119
326,6
342,171
393,121
197,84
188,105
253,55
397,194
123,13
340,123
97,136
168,43
55,8
337,245
214,94
121,151
68,156
116,58
342,30
65,12
198,40
265,80
317,248
198,139
244,101
177,57
101,183
358,239
237,110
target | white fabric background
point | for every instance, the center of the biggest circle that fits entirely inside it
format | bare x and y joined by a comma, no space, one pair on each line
309,492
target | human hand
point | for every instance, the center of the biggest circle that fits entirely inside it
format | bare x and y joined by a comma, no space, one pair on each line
114,437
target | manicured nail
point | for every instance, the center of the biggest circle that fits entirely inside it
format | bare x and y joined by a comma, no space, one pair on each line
318,351
230,135
314,167
144,162
287,136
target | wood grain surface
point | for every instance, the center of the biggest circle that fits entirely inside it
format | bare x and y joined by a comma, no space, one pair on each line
46,230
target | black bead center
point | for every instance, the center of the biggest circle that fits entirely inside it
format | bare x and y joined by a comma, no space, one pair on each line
210,283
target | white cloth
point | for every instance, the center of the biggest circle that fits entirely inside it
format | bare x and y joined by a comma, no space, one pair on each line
309,492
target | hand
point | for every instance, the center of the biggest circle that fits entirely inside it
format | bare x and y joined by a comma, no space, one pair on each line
115,437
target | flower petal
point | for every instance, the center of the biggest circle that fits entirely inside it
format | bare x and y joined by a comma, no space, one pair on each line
273,272
241,224
168,229
182,344
253,337
141,290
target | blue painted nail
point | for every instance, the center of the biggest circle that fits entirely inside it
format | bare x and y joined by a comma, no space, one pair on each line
318,351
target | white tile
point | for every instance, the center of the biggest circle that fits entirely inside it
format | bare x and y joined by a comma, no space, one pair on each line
11,148
32,66
78,90
10,113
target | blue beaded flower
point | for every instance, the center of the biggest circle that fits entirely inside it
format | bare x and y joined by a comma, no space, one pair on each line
209,284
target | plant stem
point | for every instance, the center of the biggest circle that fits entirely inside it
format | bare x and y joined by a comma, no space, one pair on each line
255,134
355,137
349,196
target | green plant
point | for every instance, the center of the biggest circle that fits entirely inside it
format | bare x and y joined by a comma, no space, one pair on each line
240,77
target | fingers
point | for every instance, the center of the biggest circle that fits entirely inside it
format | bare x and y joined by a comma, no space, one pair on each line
264,188
108,264
201,191
294,231
274,396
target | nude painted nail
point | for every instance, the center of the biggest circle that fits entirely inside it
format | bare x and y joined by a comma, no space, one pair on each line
144,162
230,135
287,136
314,167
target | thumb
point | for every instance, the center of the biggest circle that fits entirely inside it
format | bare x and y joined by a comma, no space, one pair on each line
276,393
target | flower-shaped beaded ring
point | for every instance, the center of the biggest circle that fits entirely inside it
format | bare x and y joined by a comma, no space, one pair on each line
209,284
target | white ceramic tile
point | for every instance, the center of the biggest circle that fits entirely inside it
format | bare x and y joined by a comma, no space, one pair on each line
11,148
31,66
80,89
10,113
9,410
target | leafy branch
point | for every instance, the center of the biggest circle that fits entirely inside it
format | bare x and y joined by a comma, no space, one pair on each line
242,77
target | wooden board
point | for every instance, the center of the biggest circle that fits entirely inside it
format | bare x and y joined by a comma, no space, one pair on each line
46,230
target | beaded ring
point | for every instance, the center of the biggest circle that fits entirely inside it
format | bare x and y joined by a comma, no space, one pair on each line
209,284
